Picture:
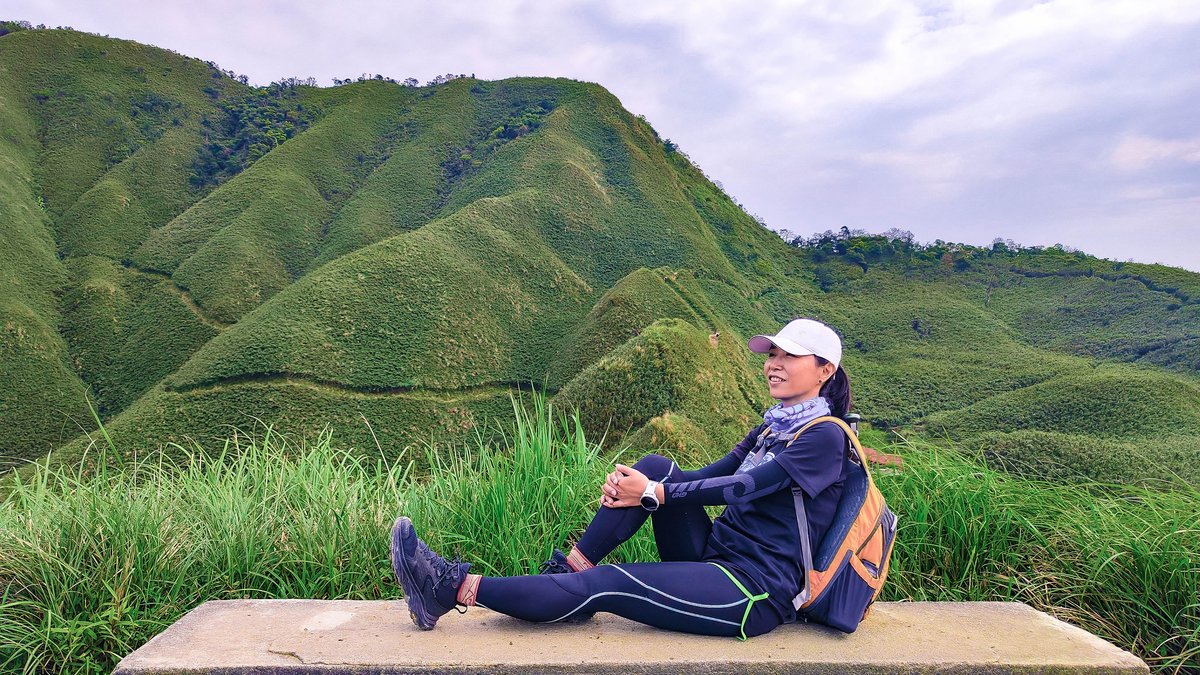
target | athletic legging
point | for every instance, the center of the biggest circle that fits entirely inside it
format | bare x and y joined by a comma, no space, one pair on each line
680,593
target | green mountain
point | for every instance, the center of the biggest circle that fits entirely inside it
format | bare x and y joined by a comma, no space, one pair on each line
191,253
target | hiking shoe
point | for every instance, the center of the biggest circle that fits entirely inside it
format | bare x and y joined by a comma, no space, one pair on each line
557,564
430,582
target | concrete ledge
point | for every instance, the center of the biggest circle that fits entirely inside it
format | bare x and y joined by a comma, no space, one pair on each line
311,636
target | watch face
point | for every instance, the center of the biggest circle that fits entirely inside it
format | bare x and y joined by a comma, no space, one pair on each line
649,502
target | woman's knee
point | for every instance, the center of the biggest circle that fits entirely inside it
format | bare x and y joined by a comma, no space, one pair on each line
656,467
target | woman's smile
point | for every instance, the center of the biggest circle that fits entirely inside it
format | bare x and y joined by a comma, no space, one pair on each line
792,378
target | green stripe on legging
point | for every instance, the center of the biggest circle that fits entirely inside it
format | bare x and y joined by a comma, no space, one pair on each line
749,596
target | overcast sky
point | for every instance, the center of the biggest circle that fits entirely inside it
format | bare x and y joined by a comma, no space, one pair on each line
1065,121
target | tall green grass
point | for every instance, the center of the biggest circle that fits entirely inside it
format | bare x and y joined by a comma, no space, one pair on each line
1119,560
94,563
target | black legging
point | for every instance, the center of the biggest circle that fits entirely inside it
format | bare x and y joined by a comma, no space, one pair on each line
680,530
680,593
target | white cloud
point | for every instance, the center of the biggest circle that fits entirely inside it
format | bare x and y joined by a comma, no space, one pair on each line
1135,153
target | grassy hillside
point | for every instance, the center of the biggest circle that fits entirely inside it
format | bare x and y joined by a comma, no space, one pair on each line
256,234
1050,297
41,397
671,366
1115,423
192,252
127,329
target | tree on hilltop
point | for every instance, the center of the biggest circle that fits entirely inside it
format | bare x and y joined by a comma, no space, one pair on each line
7,27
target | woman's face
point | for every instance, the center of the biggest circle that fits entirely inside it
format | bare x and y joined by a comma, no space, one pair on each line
793,379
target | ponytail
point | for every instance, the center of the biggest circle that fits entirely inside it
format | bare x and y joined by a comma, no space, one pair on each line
836,390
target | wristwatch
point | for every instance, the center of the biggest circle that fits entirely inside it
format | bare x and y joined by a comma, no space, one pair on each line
649,499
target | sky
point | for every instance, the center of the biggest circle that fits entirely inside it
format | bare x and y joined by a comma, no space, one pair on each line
1073,122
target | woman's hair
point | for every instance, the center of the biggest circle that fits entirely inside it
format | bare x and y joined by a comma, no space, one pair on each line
836,390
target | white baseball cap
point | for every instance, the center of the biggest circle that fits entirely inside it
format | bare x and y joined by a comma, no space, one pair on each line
800,337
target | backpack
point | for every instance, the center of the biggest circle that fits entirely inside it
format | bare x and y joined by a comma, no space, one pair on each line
845,574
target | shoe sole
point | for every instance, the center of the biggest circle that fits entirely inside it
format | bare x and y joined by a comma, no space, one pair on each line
416,607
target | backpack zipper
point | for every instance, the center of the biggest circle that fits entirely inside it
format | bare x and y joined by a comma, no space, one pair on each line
868,539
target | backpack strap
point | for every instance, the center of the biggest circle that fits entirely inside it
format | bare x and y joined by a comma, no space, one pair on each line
806,549
806,556
852,438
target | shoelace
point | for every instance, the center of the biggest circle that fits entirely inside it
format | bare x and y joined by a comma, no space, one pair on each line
442,568
439,564
553,566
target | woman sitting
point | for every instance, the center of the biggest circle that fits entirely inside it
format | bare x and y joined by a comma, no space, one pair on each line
734,576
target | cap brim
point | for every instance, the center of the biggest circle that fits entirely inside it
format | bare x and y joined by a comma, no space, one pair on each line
761,344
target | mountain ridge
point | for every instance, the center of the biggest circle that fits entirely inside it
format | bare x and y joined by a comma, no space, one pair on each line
474,235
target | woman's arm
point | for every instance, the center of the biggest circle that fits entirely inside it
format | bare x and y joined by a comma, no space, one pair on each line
814,461
722,467
763,479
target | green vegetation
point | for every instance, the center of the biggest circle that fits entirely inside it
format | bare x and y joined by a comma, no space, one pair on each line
7,27
126,329
1116,423
34,366
1165,457
636,301
1122,562
671,366
413,250
266,516
252,237
1049,297
250,126
1117,402
269,516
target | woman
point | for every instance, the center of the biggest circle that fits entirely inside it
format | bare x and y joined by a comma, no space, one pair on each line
735,576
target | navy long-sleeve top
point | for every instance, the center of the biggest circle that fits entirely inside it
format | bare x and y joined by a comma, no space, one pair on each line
757,534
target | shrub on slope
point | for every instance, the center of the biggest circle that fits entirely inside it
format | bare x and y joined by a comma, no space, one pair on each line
758,253
407,189
396,420
636,301
1166,458
547,159
116,214
617,208
915,348
98,101
1116,423
42,402
1088,315
1049,297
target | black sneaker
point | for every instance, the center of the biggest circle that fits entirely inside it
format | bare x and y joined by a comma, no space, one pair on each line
557,564
430,582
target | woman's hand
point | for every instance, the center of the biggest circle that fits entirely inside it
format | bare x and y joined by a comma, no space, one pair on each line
623,488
